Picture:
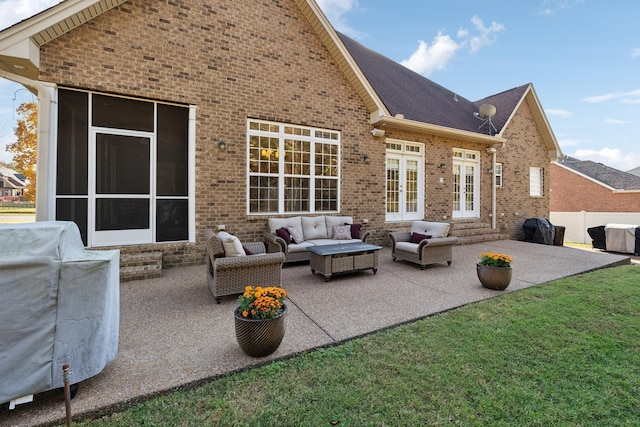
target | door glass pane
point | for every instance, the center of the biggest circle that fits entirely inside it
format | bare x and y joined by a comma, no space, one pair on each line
122,113
171,220
456,187
172,146
469,188
73,142
122,214
393,186
411,186
122,164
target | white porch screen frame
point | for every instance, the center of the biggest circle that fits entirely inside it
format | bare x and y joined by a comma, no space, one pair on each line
404,181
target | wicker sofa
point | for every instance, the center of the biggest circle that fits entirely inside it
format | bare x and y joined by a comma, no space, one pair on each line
427,243
229,275
316,230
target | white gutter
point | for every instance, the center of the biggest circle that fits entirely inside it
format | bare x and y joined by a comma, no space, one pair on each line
492,151
46,161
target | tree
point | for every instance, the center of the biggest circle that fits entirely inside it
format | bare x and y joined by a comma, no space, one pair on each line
25,149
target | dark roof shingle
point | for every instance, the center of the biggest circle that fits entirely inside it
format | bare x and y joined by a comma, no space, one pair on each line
607,175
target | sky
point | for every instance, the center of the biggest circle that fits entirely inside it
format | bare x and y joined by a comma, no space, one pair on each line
582,56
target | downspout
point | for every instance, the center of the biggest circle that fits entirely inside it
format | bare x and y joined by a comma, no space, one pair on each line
492,151
46,160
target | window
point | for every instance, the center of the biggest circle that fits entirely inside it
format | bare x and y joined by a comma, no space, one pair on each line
498,174
536,182
292,168
405,178
123,168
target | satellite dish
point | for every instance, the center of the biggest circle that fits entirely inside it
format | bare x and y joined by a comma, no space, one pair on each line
487,111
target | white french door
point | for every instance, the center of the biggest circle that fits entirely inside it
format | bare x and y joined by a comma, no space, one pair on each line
466,188
120,182
405,182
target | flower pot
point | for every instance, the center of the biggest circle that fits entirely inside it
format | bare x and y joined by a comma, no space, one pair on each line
496,278
259,338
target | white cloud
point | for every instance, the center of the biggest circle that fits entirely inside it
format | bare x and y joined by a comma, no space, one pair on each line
487,35
432,57
630,97
635,53
14,11
559,113
550,7
615,121
336,11
612,157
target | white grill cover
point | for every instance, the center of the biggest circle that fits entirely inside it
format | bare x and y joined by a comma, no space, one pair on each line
59,303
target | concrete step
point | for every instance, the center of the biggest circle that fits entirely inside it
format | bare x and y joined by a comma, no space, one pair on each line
138,266
473,231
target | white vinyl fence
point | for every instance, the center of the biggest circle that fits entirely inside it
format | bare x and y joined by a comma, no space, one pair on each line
576,223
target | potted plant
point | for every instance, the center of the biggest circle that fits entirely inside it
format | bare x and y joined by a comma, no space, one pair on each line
260,320
494,270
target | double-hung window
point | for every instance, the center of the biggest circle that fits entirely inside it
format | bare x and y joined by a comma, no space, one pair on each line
292,168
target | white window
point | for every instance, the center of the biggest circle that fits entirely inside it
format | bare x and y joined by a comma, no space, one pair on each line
536,182
292,168
498,174
405,178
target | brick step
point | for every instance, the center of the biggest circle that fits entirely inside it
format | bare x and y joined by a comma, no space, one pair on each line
140,266
474,231
469,225
479,238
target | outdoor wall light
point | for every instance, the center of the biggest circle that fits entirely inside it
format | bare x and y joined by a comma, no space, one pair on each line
366,159
222,145
490,170
378,133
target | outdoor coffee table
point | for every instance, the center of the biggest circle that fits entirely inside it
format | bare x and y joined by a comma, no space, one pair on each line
343,258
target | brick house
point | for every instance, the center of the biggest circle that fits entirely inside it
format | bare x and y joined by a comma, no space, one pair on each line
160,119
586,194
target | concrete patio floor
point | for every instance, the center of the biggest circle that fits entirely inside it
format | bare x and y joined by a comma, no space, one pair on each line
173,334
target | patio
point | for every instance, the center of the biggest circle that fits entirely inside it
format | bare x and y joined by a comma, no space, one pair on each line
173,335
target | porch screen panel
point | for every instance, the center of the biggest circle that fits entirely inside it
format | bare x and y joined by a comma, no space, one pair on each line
122,113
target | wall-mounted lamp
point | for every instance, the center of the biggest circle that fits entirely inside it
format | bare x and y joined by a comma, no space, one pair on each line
366,159
378,133
222,145
517,171
490,170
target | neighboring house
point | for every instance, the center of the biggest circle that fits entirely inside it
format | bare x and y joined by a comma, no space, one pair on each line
161,119
12,184
635,171
585,194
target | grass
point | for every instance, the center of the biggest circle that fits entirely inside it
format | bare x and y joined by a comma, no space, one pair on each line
564,353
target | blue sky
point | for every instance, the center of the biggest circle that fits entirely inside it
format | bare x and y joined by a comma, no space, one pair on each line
582,56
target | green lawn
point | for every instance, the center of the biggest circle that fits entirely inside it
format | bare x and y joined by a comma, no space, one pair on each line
564,353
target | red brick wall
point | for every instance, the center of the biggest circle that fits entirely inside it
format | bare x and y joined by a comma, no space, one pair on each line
571,192
236,59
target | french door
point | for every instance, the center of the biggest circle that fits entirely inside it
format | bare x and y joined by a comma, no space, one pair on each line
466,188
405,178
120,178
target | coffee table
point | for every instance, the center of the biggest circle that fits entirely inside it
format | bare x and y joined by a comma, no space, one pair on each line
343,258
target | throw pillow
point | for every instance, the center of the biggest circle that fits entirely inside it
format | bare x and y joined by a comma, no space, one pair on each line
232,247
342,232
284,234
417,237
355,231
296,234
247,251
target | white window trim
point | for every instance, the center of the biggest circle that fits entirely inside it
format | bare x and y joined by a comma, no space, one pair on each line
498,175
536,182
281,135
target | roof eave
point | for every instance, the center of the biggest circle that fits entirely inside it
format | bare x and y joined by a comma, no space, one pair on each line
341,55
20,43
383,121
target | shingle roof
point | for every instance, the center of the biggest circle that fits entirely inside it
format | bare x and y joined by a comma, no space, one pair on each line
417,98
609,176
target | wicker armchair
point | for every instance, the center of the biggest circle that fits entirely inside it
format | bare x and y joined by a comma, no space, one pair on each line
438,248
230,275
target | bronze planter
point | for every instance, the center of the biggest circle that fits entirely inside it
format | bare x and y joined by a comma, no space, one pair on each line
259,338
496,278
